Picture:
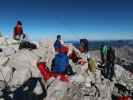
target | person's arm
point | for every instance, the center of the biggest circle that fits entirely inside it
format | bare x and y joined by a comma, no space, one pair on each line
114,56
14,32
21,30
84,61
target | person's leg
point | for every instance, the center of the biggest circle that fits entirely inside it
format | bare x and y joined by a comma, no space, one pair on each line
102,59
111,71
1,50
69,71
16,37
107,70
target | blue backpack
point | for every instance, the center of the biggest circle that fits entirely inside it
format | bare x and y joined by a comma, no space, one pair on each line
60,63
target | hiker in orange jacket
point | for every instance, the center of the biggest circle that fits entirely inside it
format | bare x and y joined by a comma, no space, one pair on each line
18,31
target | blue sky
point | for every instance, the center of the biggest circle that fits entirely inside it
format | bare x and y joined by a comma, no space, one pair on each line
73,19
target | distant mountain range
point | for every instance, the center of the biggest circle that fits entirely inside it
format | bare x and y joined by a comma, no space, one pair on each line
113,43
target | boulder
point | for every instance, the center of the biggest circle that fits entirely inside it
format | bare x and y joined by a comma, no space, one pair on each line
20,77
6,75
3,60
9,51
25,59
3,41
56,90
124,77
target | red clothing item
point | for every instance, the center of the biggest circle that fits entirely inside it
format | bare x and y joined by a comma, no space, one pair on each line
123,98
74,57
18,30
64,49
48,74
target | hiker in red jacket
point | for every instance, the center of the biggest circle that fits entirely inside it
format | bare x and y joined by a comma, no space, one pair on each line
18,31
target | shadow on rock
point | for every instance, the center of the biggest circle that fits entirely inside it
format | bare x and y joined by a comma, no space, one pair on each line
25,92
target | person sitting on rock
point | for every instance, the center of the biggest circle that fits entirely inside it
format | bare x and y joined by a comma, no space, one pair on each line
60,63
18,31
58,43
85,59
85,55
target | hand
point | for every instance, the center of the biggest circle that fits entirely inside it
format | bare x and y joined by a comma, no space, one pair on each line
81,62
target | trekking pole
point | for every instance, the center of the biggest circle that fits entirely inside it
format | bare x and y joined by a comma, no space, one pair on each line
6,85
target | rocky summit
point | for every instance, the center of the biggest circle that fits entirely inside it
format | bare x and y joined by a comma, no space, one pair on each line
20,78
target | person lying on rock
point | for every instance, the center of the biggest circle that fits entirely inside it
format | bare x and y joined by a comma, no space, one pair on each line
60,63
18,31
58,43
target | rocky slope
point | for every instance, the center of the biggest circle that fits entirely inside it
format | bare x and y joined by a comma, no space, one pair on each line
21,80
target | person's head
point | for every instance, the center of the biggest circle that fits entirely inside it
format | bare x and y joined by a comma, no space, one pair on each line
19,23
101,46
58,37
84,45
110,48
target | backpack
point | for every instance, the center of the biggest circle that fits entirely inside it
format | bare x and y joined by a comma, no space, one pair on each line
92,64
110,54
27,45
104,50
60,63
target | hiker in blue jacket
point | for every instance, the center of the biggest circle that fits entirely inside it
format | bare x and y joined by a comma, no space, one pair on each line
60,63
58,44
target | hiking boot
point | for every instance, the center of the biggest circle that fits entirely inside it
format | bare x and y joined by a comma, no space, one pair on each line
71,74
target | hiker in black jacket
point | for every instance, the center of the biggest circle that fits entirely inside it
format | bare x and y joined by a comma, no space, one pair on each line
110,63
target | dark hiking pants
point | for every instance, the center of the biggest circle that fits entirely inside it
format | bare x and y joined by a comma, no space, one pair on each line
110,70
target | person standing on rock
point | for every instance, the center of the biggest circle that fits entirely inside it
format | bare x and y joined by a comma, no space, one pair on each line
110,63
18,31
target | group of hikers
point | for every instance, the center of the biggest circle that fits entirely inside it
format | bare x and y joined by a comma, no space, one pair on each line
61,60
60,63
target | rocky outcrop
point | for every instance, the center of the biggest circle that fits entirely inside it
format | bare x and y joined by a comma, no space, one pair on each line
20,78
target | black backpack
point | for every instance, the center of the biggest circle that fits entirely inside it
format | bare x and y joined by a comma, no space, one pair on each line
27,45
110,54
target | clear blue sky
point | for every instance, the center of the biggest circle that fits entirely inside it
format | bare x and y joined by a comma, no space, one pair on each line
74,19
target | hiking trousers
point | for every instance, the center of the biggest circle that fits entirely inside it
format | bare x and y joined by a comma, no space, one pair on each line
110,70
